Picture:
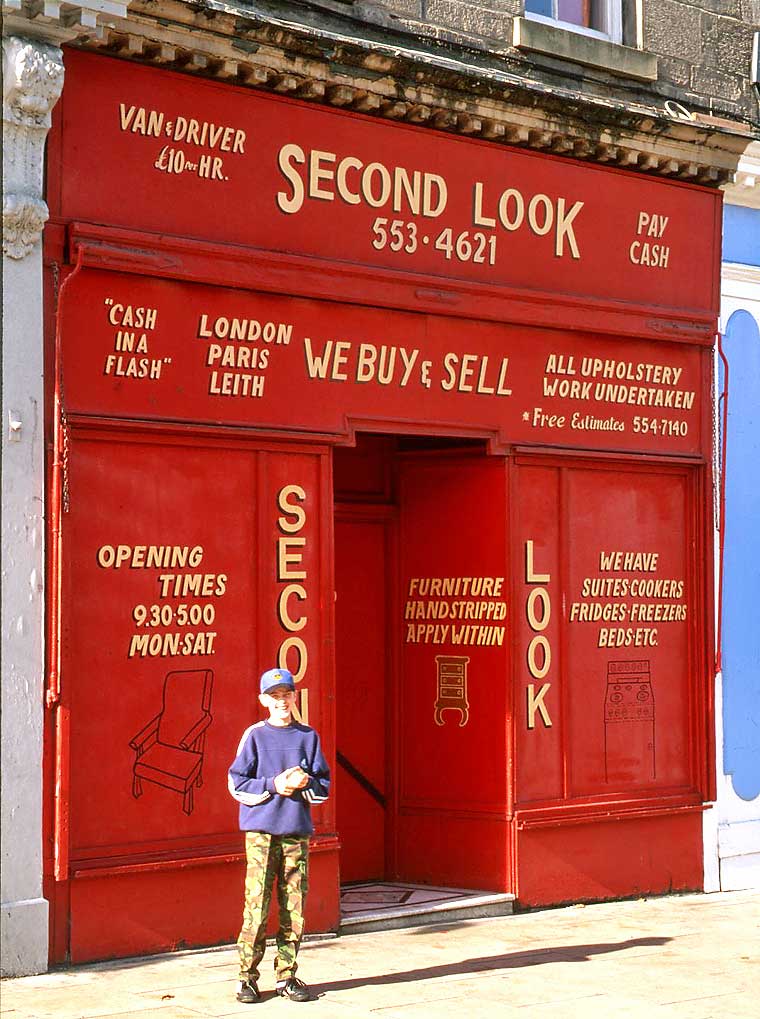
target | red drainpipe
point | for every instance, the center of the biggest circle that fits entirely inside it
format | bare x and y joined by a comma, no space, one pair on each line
53,686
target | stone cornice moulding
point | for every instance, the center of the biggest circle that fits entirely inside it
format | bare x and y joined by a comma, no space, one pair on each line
57,21
225,41
32,83
745,190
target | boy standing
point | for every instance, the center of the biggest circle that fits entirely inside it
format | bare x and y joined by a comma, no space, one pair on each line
278,774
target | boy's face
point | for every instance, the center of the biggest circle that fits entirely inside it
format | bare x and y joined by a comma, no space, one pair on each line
279,702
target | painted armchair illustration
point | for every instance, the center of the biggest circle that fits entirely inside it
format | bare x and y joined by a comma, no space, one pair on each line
169,749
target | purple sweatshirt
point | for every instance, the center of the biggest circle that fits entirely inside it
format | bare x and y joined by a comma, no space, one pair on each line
263,753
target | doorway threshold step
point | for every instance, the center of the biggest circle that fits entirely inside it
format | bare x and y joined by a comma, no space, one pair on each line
391,905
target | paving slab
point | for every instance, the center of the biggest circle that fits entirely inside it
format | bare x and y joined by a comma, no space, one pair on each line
675,957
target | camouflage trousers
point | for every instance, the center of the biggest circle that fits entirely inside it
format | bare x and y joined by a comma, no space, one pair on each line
286,858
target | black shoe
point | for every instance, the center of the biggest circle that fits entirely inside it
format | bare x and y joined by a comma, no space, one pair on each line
248,992
294,989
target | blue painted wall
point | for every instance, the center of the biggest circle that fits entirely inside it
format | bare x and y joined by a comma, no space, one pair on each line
741,235
741,591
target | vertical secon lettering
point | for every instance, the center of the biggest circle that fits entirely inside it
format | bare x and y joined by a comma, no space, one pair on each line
292,575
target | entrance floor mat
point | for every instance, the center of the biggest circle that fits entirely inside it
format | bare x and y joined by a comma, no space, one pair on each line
388,905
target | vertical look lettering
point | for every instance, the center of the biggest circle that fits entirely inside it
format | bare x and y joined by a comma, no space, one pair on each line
291,612
538,609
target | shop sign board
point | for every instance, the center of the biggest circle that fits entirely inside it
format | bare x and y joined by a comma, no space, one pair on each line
146,348
199,159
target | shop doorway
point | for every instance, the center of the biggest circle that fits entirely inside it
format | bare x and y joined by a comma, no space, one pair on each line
365,516
423,689
362,544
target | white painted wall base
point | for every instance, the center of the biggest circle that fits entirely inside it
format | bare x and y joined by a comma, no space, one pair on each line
738,873
731,829
711,862
739,852
25,937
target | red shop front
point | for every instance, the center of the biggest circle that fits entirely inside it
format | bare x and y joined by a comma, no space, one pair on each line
426,420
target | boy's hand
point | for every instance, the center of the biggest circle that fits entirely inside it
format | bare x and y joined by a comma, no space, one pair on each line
298,779
289,780
282,782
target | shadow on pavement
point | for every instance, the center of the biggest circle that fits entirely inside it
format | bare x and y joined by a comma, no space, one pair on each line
489,963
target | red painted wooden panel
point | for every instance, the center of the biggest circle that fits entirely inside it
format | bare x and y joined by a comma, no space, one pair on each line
124,497
629,701
610,860
131,914
540,763
622,680
121,916
454,851
138,673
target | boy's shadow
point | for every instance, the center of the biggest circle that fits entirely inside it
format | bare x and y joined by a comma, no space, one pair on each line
489,963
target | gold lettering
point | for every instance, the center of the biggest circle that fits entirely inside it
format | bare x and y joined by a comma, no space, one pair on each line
288,508
542,595
286,558
286,620
536,704
293,643
539,671
530,575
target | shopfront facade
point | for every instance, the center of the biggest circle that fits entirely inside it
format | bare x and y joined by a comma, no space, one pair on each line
377,341
425,420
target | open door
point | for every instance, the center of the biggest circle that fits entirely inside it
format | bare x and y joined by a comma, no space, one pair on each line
452,696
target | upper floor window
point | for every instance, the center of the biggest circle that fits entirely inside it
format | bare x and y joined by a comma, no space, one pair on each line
599,18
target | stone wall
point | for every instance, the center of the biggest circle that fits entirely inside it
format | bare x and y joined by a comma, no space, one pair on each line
703,47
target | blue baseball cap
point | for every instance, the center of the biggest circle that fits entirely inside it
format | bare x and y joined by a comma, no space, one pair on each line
276,677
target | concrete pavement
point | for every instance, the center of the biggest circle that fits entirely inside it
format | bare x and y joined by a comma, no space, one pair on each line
679,957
